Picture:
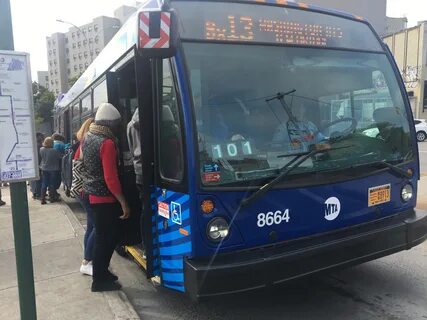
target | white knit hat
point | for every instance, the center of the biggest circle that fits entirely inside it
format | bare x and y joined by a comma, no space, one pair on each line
107,115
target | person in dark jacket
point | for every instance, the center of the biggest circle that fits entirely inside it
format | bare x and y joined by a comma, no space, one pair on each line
36,185
50,166
102,184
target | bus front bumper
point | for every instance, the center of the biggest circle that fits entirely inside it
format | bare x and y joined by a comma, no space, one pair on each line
275,264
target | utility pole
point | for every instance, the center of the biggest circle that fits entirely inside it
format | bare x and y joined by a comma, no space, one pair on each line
19,199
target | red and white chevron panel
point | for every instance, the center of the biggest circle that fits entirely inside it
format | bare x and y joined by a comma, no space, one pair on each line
144,31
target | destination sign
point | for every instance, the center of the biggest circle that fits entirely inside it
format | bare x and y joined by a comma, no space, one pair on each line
257,23
247,28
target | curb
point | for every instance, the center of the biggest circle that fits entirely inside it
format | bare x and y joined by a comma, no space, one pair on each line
118,302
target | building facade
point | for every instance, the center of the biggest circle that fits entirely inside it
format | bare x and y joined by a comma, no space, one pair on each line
394,25
409,48
124,12
69,54
43,79
372,10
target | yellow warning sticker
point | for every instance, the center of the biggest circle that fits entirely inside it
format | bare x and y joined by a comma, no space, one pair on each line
379,195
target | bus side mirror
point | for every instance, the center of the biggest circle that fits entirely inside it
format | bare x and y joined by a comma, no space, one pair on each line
157,33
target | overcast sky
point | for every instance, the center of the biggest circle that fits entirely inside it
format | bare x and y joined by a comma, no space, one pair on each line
34,20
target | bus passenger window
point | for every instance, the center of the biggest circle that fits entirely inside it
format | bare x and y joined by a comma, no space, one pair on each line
171,154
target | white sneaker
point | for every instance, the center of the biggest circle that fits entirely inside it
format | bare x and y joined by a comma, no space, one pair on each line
87,269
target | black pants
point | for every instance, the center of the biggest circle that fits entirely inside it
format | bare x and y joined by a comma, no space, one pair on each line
107,226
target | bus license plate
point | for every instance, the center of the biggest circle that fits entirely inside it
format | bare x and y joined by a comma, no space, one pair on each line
379,195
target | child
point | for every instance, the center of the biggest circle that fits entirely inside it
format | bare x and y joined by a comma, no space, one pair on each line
50,167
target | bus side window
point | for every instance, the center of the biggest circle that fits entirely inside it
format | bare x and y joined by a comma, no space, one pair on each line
171,153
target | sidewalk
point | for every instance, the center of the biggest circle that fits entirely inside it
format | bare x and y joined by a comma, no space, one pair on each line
61,291
422,193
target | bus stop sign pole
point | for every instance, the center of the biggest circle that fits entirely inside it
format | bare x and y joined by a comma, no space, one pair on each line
18,192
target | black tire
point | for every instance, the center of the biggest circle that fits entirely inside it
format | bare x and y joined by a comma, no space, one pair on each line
421,136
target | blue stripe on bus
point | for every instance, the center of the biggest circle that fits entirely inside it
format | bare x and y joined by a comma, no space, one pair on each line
176,250
174,264
176,242
175,277
173,227
177,288
174,235
174,256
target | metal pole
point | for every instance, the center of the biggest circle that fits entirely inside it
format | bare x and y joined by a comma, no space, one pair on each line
23,250
19,200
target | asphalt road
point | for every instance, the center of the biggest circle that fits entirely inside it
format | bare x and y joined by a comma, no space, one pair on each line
394,287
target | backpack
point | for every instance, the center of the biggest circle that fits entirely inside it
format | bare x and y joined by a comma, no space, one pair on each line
67,170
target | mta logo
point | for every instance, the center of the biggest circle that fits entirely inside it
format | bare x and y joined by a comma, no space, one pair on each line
332,208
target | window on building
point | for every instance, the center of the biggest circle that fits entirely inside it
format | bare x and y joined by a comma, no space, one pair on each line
53,42
96,39
57,91
73,35
97,51
85,54
56,71
170,130
75,67
67,51
74,45
84,42
86,64
66,40
80,55
79,44
56,81
51,82
91,53
54,62
49,43
46,78
80,66
51,72
54,51
68,71
90,40
95,27
89,28
78,34
50,52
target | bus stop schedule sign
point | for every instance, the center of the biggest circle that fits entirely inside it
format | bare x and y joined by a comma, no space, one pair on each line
18,155
272,25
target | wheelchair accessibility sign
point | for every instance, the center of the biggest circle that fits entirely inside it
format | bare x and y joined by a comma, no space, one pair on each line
175,209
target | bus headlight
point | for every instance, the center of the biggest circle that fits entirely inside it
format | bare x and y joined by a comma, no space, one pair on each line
218,229
407,193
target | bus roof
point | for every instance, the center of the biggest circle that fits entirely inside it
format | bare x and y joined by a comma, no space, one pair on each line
126,38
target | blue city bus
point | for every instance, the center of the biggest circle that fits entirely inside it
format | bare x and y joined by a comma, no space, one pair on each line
257,168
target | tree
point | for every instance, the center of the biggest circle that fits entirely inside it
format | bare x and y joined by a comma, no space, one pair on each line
72,81
43,103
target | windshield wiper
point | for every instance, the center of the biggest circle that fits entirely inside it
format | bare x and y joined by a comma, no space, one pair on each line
286,170
384,164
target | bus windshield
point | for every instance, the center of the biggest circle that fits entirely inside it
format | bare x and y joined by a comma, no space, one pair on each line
246,131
